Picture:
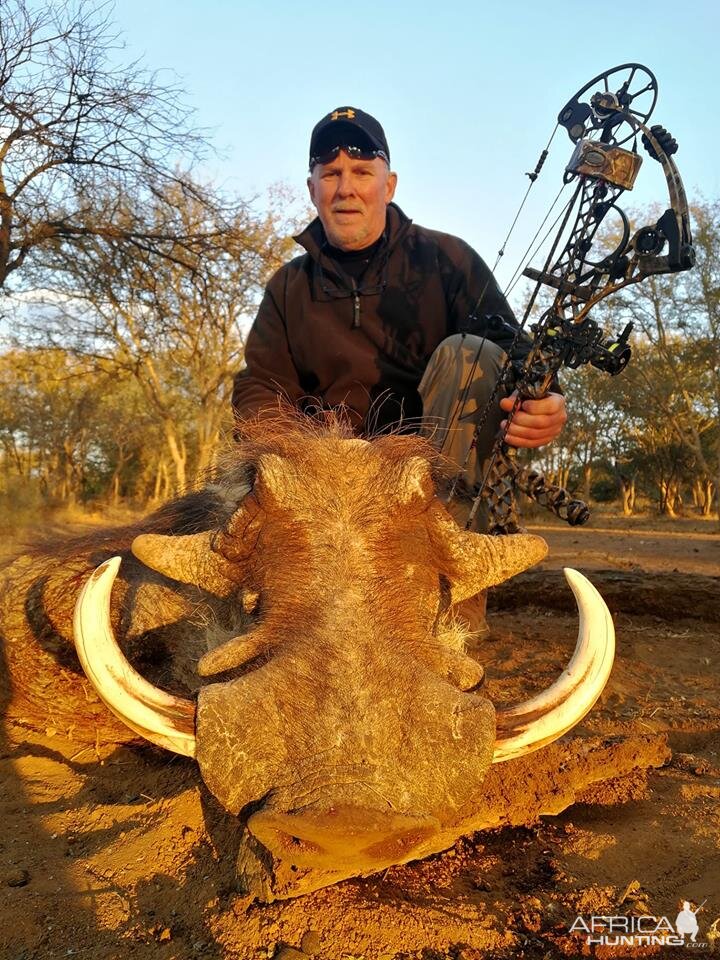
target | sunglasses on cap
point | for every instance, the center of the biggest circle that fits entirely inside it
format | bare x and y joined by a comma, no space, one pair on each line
355,153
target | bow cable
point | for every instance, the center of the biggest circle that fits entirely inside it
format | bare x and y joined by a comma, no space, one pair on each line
533,176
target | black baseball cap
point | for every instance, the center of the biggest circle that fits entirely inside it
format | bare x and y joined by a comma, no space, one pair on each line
347,127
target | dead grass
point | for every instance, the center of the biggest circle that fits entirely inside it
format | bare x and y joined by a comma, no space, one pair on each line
21,525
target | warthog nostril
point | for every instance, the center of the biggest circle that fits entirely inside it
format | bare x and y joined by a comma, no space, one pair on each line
294,844
344,833
394,848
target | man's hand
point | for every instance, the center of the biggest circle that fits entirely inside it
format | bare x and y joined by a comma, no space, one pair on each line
535,422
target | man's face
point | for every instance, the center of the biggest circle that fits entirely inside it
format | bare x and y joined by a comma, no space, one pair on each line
350,197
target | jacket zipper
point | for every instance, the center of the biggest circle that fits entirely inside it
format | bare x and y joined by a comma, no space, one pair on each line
356,305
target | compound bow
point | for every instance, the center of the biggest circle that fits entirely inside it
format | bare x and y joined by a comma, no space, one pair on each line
609,111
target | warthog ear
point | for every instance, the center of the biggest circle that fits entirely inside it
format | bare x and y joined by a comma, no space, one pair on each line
189,559
474,561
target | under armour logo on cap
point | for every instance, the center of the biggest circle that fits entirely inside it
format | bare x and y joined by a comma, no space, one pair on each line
348,126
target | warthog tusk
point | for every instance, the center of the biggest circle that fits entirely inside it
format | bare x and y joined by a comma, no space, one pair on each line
160,717
546,717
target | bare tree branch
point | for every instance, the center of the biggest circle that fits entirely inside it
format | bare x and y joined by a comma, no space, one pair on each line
75,124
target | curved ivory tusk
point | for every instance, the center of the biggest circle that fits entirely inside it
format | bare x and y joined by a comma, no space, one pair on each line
546,717
160,717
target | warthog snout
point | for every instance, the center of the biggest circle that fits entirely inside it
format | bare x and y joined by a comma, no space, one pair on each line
417,753
341,835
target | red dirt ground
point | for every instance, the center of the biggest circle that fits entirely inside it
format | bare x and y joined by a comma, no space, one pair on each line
109,854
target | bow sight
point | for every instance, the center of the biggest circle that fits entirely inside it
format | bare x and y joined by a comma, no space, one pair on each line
604,120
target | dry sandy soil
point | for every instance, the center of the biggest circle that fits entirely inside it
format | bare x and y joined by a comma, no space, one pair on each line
119,852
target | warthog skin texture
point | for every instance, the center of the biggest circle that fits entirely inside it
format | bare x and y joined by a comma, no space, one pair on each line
345,727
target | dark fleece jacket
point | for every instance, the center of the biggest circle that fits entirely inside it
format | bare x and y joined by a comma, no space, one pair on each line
322,337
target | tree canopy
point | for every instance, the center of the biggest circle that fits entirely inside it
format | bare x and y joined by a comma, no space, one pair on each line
79,134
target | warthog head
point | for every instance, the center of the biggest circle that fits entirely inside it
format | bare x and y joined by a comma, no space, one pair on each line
346,725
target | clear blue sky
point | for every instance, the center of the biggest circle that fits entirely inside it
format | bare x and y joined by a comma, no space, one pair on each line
468,92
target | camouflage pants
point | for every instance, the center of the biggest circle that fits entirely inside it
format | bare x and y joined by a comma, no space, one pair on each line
448,422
